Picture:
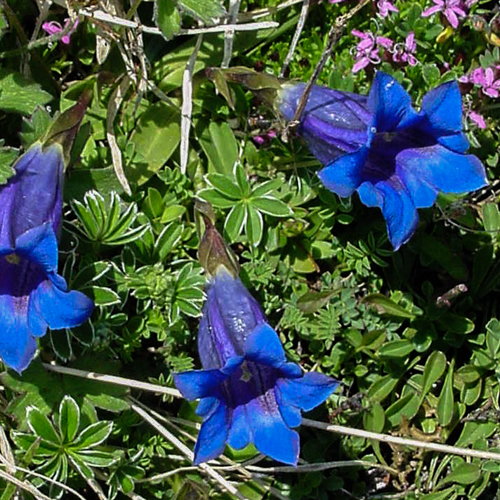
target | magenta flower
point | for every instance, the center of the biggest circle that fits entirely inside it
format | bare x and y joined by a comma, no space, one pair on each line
368,49
484,78
54,27
385,7
452,10
477,119
404,53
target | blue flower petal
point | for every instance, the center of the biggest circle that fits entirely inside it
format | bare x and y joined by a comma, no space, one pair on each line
60,309
390,103
443,169
17,346
240,433
290,413
206,406
39,245
307,392
271,435
263,346
345,174
197,384
422,194
213,435
443,108
397,207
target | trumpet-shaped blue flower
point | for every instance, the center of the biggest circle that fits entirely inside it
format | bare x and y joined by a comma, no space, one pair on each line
249,392
33,297
402,158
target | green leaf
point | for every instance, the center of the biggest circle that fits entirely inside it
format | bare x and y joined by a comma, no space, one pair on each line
217,199
155,138
446,401
41,426
271,206
491,219
382,387
384,305
224,185
406,406
464,473
374,418
434,368
19,95
69,419
235,221
254,225
219,144
396,349
7,159
93,435
167,18
206,11
168,239
104,296
241,179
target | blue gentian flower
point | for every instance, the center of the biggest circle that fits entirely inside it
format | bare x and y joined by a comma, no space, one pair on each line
32,295
402,160
249,392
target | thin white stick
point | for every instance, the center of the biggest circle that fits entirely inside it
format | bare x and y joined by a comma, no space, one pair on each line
234,7
349,431
100,15
24,485
319,467
111,379
296,36
187,104
384,438
184,449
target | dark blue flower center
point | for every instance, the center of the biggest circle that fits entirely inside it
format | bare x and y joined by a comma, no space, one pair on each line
386,145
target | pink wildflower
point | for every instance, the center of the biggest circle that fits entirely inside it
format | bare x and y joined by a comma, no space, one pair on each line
477,119
484,78
367,50
404,54
452,10
54,27
386,6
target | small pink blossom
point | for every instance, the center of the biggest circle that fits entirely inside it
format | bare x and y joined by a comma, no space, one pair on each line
477,119
54,27
404,53
452,10
486,79
385,7
367,50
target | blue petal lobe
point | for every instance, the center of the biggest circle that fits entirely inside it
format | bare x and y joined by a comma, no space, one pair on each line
308,391
213,435
443,108
290,413
39,245
422,194
199,383
344,175
274,438
369,196
60,309
398,209
444,169
17,346
206,406
263,346
390,103
240,433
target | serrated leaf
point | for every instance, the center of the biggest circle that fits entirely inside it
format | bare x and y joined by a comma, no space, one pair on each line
167,18
19,95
